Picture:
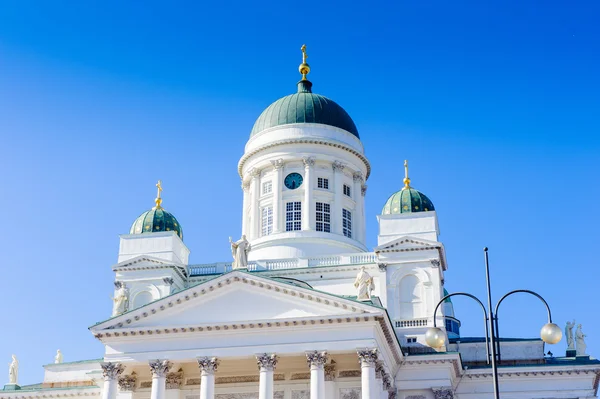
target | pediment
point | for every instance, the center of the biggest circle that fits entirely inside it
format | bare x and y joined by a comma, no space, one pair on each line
144,262
237,297
408,243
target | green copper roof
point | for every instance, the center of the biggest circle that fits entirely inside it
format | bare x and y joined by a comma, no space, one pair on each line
155,220
407,200
304,107
447,300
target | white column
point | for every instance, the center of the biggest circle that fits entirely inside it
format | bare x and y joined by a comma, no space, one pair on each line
160,369
245,214
359,227
277,195
336,208
111,373
255,195
316,360
208,366
368,360
308,207
266,364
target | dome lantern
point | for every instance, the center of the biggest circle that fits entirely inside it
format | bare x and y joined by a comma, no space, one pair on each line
407,200
156,219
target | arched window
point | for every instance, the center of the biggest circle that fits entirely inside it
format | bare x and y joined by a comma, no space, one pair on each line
410,297
142,298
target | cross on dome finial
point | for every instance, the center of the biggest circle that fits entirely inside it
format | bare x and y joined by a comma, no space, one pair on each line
158,200
304,68
406,178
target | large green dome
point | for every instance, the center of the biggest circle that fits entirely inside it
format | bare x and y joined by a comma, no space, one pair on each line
407,200
304,107
155,220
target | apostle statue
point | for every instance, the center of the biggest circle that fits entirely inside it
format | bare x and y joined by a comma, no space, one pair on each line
580,341
569,335
121,299
59,357
13,371
239,251
364,284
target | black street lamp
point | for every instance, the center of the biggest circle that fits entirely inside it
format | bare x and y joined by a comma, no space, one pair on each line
436,338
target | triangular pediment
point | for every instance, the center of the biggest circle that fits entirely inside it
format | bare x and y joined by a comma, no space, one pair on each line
144,261
237,297
408,243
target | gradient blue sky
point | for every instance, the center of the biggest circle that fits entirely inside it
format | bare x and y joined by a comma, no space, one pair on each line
494,104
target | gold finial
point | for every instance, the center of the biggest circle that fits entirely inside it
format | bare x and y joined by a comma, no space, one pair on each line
406,179
304,68
158,200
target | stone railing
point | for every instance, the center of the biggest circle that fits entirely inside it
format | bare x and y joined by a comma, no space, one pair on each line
424,322
281,264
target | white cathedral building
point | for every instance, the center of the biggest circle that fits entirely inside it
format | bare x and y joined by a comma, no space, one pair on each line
306,310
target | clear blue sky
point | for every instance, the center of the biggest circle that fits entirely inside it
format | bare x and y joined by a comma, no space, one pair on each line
495,106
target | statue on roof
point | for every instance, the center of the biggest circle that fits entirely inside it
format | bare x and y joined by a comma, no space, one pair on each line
13,371
569,335
364,284
239,251
121,299
59,357
580,341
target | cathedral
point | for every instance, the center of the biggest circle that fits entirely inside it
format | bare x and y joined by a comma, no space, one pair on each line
303,309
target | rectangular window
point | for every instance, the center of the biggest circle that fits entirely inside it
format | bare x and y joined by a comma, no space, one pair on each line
267,187
411,340
347,190
323,216
293,216
347,222
267,220
323,183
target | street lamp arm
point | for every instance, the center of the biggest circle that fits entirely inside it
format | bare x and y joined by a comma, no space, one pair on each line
485,317
527,292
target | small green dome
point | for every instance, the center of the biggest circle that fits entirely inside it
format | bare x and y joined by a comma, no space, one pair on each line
407,200
304,107
155,220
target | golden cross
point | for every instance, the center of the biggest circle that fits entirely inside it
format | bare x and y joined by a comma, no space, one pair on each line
406,179
158,200
304,56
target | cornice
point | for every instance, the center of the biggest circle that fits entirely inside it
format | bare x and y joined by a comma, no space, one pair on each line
157,264
52,393
473,374
453,362
342,146
426,246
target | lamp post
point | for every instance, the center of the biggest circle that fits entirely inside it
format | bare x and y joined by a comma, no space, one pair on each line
436,338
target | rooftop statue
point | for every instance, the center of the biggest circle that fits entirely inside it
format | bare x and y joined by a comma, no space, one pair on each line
121,299
364,284
580,341
569,335
239,251
59,357
13,371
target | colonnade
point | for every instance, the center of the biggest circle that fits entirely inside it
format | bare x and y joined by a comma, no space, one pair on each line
375,382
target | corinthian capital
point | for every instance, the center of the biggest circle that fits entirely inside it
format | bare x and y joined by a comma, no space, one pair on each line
127,383
308,162
277,163
368,357
316,358
266,361
363,190
111,371
330,371
160,368
358,177
254,172
208,365
338,166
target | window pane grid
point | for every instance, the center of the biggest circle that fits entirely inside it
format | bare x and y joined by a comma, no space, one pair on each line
267,220
293,216
347,190
323,216
347,222
323,183
267,187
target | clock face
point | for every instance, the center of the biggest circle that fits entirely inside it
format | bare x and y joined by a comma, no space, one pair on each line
293,181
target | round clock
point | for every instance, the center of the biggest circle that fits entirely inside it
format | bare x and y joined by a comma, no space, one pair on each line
293,181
